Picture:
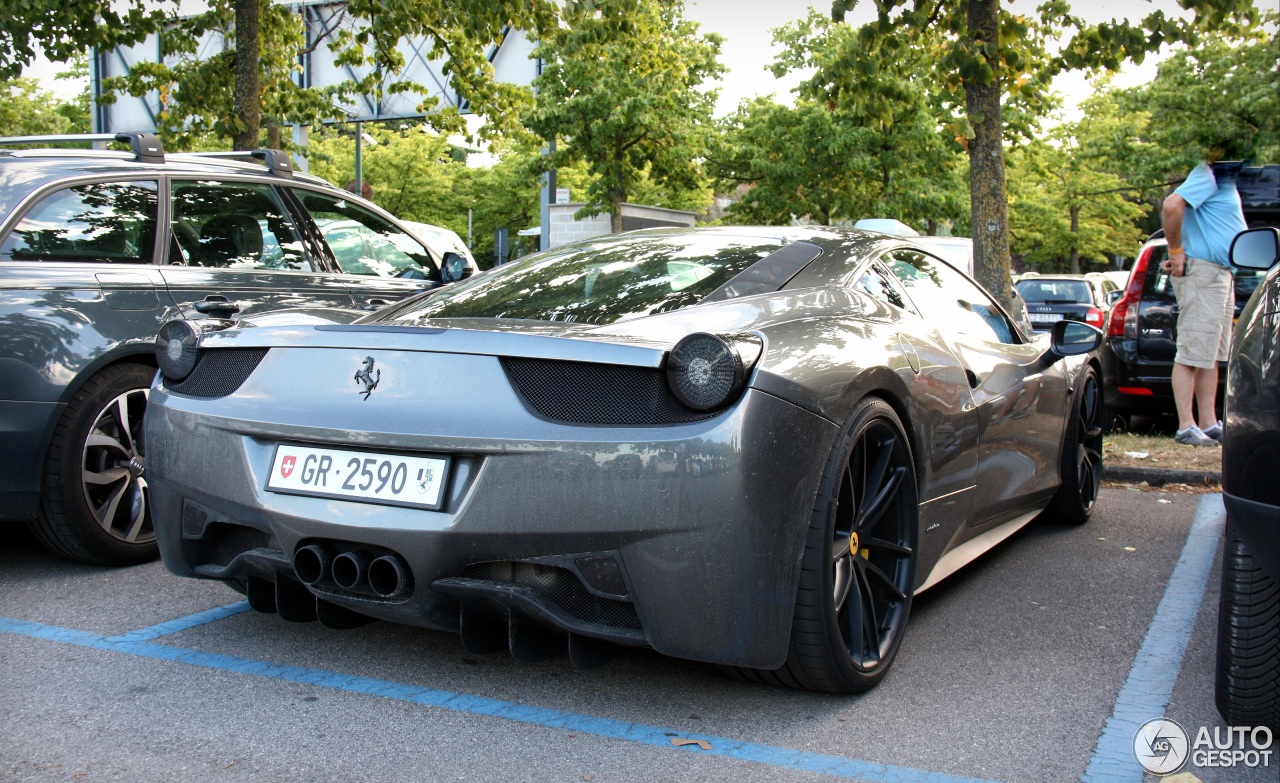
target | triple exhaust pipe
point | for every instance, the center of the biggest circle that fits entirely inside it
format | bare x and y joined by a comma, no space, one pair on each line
354,570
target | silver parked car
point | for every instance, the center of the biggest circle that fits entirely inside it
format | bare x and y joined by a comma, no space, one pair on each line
745,446
97,249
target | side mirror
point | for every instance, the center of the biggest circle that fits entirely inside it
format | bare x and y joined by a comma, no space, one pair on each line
454,268
1114,296
1256,248
1073,338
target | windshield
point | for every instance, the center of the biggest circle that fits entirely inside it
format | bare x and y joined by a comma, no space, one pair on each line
1048,291
601,281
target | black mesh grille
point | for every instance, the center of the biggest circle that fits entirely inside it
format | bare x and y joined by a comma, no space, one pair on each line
223,541
599,394
219,372
562,588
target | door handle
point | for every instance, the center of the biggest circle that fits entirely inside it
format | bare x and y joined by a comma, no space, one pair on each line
218,306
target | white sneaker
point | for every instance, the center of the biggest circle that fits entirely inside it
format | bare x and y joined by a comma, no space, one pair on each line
1214,431
1194,436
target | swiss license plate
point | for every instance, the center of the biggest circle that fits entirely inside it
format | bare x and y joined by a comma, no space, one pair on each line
369,477
1044,318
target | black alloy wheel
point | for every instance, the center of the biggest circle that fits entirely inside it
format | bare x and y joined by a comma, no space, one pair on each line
858,572
94,492
1081,467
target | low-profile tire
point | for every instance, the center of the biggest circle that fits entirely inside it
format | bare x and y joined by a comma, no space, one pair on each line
1081,466
1247,686
93,501
858,570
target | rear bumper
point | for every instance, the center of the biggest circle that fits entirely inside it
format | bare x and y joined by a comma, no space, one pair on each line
24,428
706,528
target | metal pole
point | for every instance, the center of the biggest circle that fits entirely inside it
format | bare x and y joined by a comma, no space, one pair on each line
469,242
359,159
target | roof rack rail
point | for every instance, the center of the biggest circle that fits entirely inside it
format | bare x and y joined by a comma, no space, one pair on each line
145,146
278,162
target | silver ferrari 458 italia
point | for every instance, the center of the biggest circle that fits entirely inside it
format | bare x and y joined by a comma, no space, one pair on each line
747,446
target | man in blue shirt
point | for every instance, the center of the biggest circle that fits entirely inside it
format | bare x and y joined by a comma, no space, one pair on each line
1201,218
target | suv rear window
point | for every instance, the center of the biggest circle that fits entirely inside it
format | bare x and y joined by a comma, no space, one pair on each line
104,223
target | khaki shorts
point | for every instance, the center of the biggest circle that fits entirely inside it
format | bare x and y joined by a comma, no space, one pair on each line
1206,307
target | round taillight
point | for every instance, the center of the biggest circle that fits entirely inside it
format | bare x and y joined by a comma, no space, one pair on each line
704,371
177,345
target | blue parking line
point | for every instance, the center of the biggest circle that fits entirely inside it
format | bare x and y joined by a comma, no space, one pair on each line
654,736
1147,691
182,623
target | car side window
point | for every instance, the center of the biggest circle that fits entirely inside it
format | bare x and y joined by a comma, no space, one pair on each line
949,297
234,225
877,282
364,243
103,223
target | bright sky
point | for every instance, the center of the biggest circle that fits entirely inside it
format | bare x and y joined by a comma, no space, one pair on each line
748,48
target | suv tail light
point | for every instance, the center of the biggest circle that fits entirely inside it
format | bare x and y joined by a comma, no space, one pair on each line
1124,316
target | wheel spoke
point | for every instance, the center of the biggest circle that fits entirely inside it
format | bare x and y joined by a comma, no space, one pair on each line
871,513
101,440
843,583
108,476
106,512
874,570
139,511
887,546
839,547
120,411
870,621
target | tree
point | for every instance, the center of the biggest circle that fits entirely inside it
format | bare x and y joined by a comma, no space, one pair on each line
981,53
365,38
623,85
1064,209
65,29
28,109
830,165
1227,87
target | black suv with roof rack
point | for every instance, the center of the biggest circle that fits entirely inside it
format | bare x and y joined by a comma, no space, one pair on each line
1142,332
97,249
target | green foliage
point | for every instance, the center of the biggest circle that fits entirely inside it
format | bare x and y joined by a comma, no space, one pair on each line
1225,90
28,109
1066,212
65,29
622,86
826,165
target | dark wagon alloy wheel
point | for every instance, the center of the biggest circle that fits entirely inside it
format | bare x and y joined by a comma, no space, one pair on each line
95,506
1081,468
859,564
113,469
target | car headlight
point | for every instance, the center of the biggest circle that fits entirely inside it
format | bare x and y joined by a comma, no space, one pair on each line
177,345
705,371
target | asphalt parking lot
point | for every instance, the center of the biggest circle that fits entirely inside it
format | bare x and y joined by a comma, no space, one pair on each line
1035,664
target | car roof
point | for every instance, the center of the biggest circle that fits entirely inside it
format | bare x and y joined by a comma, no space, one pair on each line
31,168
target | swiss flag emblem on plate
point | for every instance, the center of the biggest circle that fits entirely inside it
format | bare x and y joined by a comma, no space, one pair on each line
286,465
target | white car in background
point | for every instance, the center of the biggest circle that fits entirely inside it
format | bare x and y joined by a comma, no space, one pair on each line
441,240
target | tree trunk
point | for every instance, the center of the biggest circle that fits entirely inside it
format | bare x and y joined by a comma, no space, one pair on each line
1075,239
247,95
987,199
